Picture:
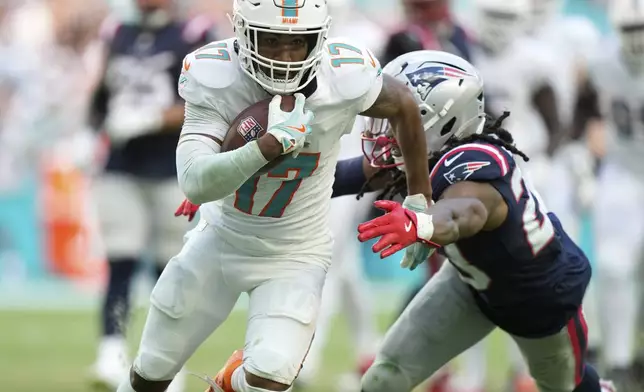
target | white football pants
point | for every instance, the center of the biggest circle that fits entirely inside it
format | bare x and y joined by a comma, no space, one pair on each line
619,237
199,288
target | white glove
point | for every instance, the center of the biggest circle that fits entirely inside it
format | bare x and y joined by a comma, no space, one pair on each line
418,253
125,124
289,128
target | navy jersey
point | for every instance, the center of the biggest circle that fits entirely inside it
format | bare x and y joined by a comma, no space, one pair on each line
527,275
142,69
415,37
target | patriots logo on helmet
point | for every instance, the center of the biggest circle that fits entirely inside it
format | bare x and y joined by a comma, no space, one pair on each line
463,171
425,79
249,128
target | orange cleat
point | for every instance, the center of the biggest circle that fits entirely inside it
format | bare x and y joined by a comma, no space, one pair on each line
223,379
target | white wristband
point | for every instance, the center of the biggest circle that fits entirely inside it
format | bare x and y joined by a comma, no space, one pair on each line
424,226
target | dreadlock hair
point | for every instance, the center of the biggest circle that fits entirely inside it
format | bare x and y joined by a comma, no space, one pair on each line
493,133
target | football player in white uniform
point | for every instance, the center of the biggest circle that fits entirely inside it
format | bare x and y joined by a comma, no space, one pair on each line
266,235
570,193
618,76
575,39
526,88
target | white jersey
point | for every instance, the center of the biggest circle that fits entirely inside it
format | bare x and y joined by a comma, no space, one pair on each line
511,79
575,39
621,95
285,211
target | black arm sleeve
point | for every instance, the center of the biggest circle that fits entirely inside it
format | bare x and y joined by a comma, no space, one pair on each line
586,109
545,102
349,177
98,106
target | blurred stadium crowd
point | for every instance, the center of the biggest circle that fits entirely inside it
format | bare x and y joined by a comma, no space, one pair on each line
59,207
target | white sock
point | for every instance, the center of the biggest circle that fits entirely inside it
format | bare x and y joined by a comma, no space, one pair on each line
240,384
618,302
591,314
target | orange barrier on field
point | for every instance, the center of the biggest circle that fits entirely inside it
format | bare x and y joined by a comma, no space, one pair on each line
70,230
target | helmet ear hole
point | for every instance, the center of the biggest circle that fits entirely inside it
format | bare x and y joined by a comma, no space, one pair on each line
447,128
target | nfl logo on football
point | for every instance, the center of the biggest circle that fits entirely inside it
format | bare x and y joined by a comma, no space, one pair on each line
249,128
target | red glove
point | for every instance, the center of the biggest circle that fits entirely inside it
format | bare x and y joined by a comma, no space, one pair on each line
398,229
187,209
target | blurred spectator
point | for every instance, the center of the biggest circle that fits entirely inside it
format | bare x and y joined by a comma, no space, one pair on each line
138,108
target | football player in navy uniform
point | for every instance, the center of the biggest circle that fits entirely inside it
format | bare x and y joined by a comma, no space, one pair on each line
137,107
512,265
429,26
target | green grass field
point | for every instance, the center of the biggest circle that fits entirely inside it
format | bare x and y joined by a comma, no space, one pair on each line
52,350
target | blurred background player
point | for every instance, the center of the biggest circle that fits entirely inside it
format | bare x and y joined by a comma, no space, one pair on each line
514,82
138,108
428,25
617,74
572,176
345,287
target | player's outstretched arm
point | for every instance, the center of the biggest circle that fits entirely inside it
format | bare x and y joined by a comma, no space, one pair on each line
397,104
352,174
465,209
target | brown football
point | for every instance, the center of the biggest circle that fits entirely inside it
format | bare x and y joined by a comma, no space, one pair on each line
251,124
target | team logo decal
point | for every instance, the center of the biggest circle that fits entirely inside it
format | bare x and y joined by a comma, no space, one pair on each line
463,171
249,129
425,79
290,10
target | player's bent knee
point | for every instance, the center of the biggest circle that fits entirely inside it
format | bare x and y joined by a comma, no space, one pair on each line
385,377
264,383
140,384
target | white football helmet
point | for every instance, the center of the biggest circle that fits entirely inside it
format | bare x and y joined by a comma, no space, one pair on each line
628,19
302,17
449,92
499,22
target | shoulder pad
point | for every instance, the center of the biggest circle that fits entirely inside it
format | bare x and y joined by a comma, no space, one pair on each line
544,64
351,68
470,162
582,27
213,66
603,62
582,35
